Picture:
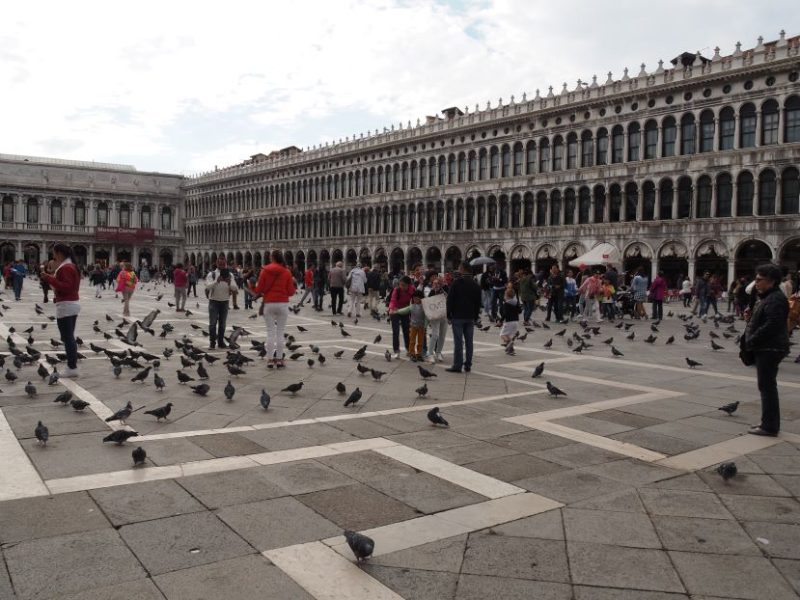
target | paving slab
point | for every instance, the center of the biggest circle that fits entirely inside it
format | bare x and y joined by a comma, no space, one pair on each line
68,564
239,486
366,466
302,477
141,589
358,507
760,508
127,504
276,523
790,569
413,584
441,555
516,558
577,455
479,587
606,527
6,590
716,536
226,444
779,540
183,541
513,467
747,484
569,486
681,503
49,516
242,578
545,526
426,493
597,593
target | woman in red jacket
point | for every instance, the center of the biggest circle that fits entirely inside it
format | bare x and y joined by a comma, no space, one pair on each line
276,285
65,281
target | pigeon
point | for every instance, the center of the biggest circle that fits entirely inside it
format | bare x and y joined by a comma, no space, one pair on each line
162,412
53,378
201,371
338,354
293,388
422,391
42,371
119,436
139,455
200,390
78,405
117,370
616,352
310,363
650,339
670,340
183,377
301,329
295,356
344,333
121,414
186,362
340,387
236,371
388,356
693,363
425,374
537,372
377,339
10,377
361,545
377,374
554,391
561,333
229,390
42,433
360,353
548,343
715,346
30,389
510,349
55,343
264,399
609,341
727,470
362,369
729,408
653,328
159,382
436,418
142,375
354,397
631,336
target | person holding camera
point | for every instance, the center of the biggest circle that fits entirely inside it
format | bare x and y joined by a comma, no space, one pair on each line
219,293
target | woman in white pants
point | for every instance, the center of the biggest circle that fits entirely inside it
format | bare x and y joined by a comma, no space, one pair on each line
438,326
276,286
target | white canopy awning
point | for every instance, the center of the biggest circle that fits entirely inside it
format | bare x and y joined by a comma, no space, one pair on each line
602,254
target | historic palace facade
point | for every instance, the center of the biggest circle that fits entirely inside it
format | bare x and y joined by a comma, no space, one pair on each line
689,167
107,212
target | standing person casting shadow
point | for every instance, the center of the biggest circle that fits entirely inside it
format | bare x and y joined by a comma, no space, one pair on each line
276,285
65,281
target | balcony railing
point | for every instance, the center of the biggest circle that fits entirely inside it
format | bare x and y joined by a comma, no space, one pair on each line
61,228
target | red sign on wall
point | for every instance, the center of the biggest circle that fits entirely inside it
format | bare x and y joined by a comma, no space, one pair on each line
124,235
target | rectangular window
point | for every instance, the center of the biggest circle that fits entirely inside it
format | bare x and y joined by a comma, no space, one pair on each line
451,174
587,153
462,169
558,157
495,166
432,174
748,137
769,134
8,211
572,154
33,212
602,150
687,138
80,215
707,137
617,143
166,220
145,216
102,217
473,167
792,133
442,172
727,129
517,162
669,141
531,159
125,219
634,139
544,159
56,217
482,167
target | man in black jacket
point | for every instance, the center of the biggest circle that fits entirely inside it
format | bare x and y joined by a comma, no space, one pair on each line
767,337
555,303
463,309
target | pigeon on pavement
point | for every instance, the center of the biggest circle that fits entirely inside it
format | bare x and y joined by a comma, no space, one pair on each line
727,470
161,412
729,408
264,399
119,436
616,352
293,388
64,397
436,418
425,374
693,363
361,545
139,456
354,397
78,405
200,390
229,390
537,372
422,391
30,389
554,391
42,433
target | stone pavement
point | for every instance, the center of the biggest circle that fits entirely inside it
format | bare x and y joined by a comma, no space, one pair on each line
608,493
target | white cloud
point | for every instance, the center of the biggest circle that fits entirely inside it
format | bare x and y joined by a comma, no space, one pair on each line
178,86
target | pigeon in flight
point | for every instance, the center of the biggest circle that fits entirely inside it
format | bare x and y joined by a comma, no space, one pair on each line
554,391
139,456
361,545
200,390
293,388
693,363
121,414
120,436
161,412
229,390
537,372
264,399
729,408
425,374
354,397
727,470
422,391
436,418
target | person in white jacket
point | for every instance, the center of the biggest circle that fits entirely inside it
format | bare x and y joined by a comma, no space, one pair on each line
356,289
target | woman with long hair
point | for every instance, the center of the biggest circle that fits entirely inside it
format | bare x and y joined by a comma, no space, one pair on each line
65,279
126,284
275,285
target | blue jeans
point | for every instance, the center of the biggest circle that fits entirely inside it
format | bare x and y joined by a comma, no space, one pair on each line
217,315
66,327
17,287
497,301
399,322
463,330
316,295
527,310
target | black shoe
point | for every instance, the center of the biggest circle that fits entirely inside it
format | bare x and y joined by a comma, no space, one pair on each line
467,369
212,345
758,430
453,370
222,345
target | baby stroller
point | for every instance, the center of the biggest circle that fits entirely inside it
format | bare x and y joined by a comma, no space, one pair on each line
625,304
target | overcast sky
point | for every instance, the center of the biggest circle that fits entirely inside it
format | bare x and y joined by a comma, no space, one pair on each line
183,86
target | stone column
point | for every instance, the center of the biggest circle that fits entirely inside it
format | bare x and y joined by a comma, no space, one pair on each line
713,198
90,255
135,257
639,203
690,275
736,132
731,270
657,204
660,144
20,211
607,206
759,128
674,203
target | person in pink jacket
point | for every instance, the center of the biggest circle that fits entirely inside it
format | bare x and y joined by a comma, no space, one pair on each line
658,289
399,302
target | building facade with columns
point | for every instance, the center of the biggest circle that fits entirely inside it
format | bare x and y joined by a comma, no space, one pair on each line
106,212
689,166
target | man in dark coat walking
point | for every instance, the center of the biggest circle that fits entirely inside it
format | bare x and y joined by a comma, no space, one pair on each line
463,309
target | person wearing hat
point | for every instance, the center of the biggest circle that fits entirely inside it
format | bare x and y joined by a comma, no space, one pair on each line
219,293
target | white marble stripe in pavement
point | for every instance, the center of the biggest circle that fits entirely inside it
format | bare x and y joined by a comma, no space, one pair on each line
333,418
327,575
599,441
430,528
213,465
720,452
461,476
18,476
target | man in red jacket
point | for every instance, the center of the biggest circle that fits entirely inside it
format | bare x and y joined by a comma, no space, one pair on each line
308,283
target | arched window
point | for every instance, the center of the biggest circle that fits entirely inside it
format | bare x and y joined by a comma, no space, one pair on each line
483,163
404,177
665,194
634,141
617,144
684,198
506,162
544,155
504,210
451,169
527,210
481,221
602,146
704,197
515,210
518,159
558,153
124,215
541,208
791,128
727,128
747,126
442,170
396,179
8,209
166,218
584,205
470,213
769,122
569,207
572,151
631,201
145,217
462,168
687,134
706,131
57,214
494,169
766,192
413,176
650,139
555,207
102,214
648,201
432,172
790,192
599,203
724,195
615,193
587,149
472,173
79,213
530,158
492,222
32,210
669,135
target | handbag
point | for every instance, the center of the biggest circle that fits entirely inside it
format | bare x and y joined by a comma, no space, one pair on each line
748,357
435,307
